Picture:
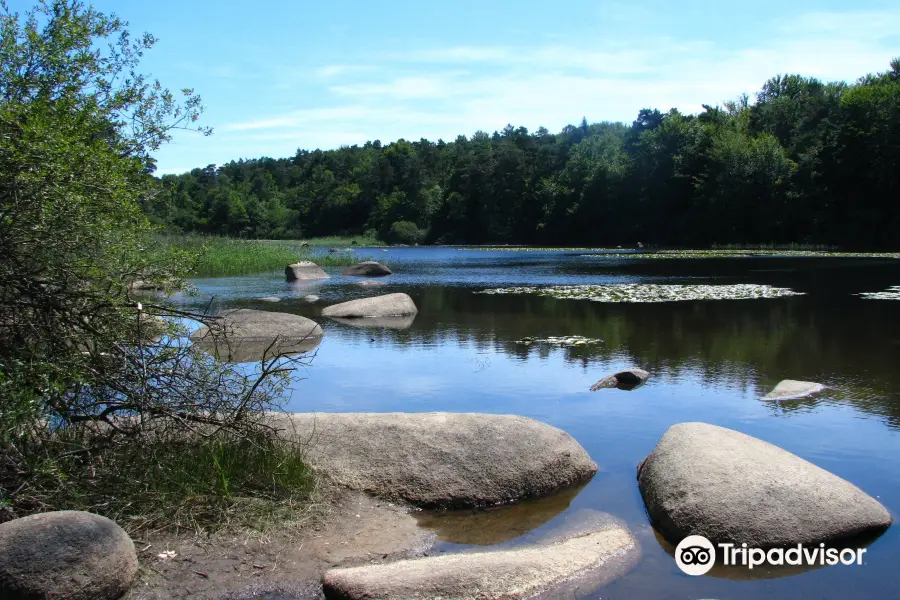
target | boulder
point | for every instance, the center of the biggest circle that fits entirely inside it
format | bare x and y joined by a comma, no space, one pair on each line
790,389
311,298
368,268
379,322
628,379
303,271
441,460
564,569
389,305
245,335
66,555
729,487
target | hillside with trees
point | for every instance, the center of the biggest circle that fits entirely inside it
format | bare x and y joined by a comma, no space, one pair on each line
803,162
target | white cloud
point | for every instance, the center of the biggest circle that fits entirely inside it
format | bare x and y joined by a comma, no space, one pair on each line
442,92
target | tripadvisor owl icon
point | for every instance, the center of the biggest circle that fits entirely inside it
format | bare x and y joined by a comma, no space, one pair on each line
695,555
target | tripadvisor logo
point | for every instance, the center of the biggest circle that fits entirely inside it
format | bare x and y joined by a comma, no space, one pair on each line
696,555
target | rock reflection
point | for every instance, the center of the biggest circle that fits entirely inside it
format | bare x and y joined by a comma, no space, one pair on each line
248,351
404,322
496,525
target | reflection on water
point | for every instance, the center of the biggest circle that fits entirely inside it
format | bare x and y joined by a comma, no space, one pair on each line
710,361
497,525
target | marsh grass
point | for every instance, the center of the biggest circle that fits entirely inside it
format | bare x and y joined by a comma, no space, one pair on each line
344,241
203,485
214,256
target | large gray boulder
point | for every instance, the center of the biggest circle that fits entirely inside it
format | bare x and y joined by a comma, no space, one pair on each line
66,555
368,268
389,305
628,379
303,271
441,460
246,335
577,565
729,487
790,389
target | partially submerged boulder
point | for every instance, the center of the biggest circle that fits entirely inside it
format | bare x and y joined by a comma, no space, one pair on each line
370,283
310,298
65,555
245,335
558,570
441,460
790,389
303,271
628,379
389,305
729,487
269,299
368,268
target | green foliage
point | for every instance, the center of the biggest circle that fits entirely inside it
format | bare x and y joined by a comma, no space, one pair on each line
87,372
804,162
219,256
405,232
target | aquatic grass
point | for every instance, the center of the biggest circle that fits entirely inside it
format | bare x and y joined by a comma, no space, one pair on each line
650,292
222,256
568,341
745,253
892,293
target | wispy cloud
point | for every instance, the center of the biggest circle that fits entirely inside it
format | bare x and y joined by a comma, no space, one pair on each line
439,92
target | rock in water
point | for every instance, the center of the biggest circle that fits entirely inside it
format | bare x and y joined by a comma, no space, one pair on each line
368,268
66,555
389,305
304,270
628,379
790,389
245,335
310,298
559,570
269,299
442,460
729,487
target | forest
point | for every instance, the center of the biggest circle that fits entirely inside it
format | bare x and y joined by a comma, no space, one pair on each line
805,162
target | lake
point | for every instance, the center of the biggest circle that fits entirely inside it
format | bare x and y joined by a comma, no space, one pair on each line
710,361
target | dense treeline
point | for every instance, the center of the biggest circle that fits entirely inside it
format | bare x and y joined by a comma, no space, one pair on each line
807,162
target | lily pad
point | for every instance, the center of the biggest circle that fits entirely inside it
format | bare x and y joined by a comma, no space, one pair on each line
650,292
892,293
569,341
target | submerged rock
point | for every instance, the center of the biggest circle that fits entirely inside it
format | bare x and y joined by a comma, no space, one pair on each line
790,389
442,460
304,270
557,570
628,379
245,335
65,555
311,298
368,268
729,487
370,283
389,305
269,299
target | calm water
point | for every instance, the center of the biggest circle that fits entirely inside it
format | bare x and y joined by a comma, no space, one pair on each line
710,361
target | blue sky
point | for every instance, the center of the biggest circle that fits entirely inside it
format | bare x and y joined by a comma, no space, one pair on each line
280,75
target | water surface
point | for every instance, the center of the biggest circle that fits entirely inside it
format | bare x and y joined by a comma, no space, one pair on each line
709,361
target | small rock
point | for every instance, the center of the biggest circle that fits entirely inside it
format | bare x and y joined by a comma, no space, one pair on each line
65,555
370,283
628,379
269,299
368,268
729,487
577,565
389,305
790,389
311,298
304,270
